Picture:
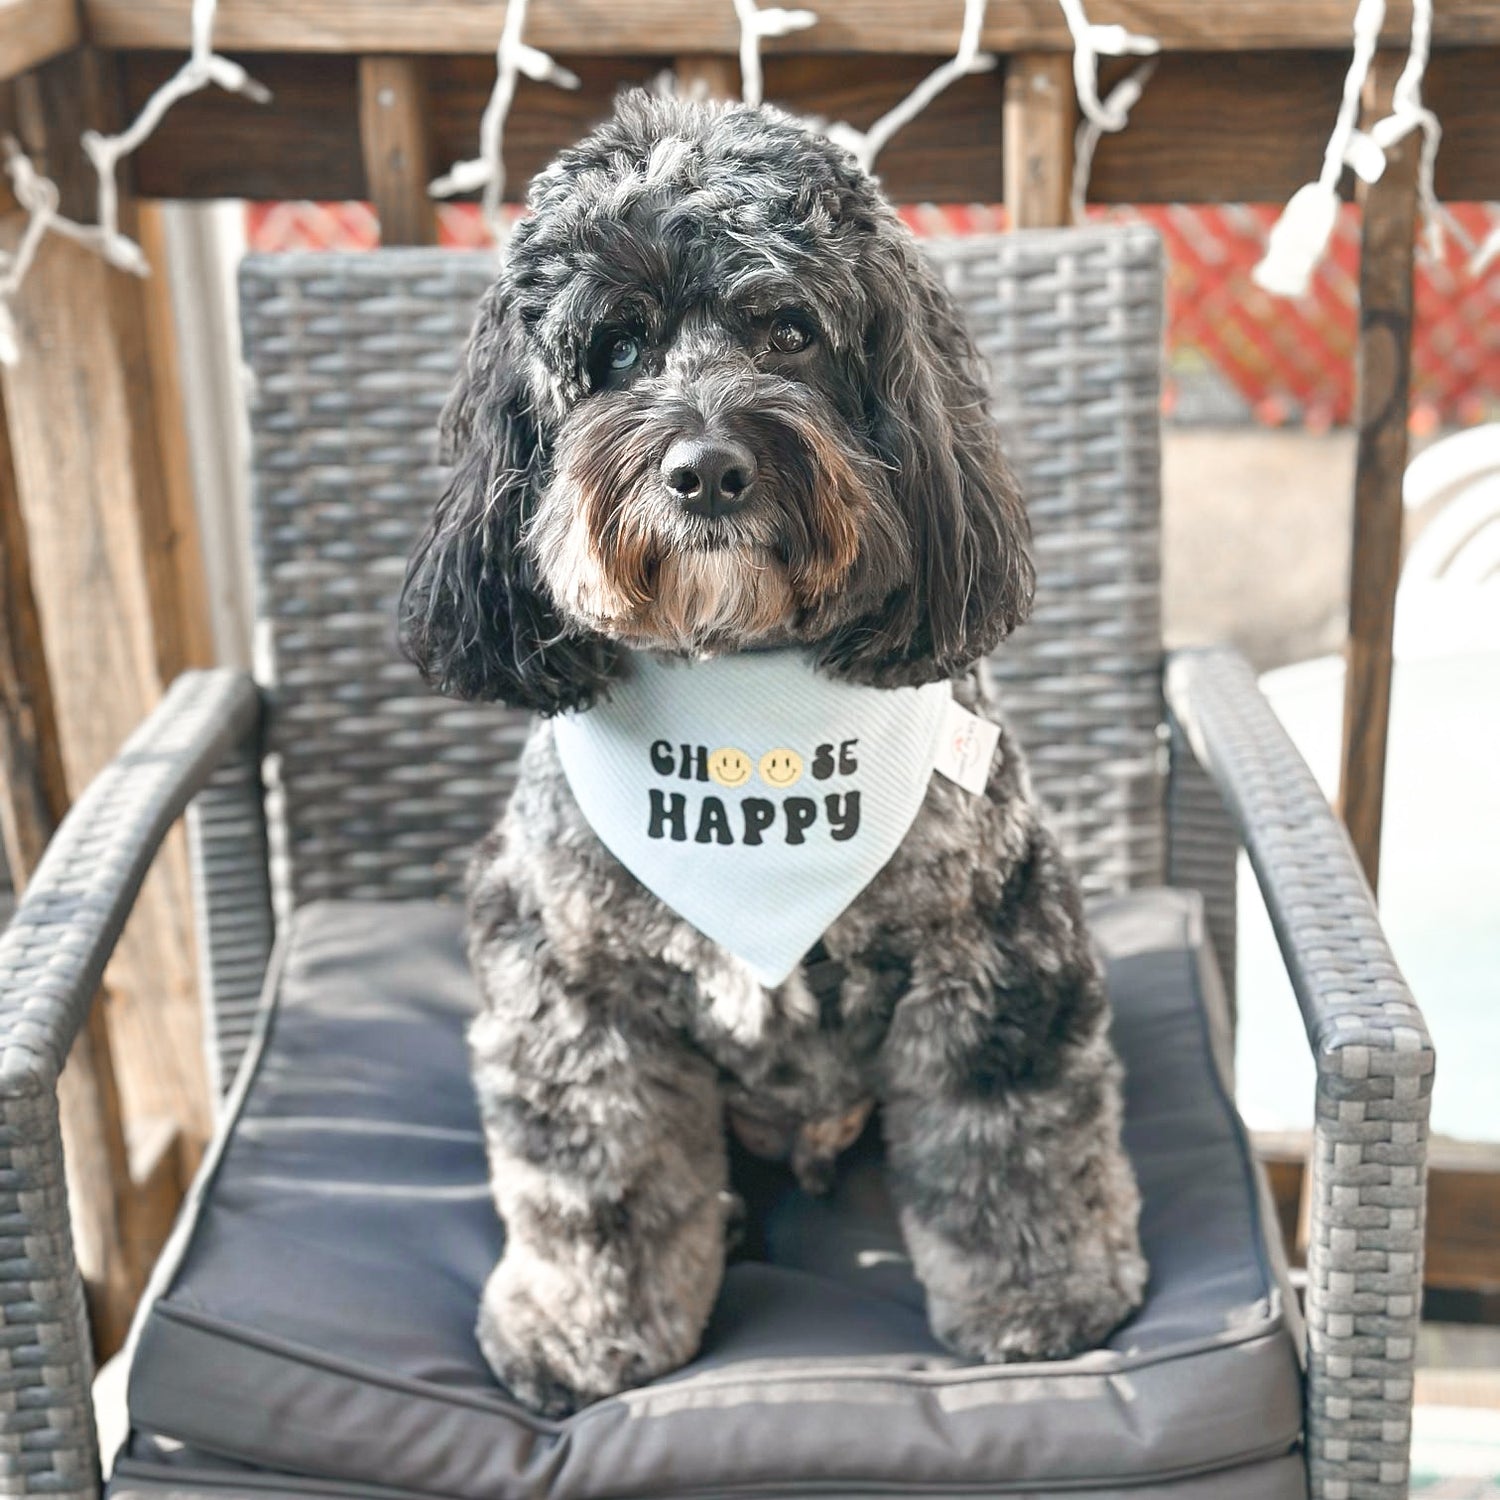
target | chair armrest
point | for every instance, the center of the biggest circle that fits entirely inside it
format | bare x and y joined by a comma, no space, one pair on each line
52,956
1375,1068
53,953
1351,993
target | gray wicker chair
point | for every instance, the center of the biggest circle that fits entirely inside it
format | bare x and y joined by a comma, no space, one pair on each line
1156,770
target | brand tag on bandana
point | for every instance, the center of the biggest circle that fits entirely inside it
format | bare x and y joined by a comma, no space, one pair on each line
966,748
754,796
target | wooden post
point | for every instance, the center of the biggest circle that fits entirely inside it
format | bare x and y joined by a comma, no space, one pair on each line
33,789
393,130
114,566
176,580
1041,115
1384,372
115,1245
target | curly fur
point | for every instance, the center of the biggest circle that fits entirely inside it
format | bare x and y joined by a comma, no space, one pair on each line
885,535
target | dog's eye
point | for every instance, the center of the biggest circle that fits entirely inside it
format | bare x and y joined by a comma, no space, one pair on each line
788,336
622,353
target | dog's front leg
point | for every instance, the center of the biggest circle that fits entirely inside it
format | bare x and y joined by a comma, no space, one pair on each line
607,1162
1001,1100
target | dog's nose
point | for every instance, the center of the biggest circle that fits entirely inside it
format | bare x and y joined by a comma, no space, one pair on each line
710,476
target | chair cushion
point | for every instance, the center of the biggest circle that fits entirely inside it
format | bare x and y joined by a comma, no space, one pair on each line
314,1316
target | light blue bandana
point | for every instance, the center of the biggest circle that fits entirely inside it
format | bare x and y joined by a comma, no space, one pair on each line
754,796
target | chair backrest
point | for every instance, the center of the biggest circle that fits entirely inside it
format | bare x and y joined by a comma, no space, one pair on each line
378,788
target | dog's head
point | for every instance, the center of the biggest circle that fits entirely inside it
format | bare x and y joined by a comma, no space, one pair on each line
715,399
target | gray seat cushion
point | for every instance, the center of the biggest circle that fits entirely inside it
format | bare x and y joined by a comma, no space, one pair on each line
318,1320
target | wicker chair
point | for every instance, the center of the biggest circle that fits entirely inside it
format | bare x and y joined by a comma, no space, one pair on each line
1156,769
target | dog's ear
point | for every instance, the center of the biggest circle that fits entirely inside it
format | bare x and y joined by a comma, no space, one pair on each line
927,412
473,614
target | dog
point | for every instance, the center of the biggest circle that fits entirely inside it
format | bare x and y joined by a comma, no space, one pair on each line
716,403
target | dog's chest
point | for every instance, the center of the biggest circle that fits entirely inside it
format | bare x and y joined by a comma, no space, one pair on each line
817,1036
826,1020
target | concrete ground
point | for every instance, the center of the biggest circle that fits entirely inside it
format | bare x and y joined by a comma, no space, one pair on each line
1256,526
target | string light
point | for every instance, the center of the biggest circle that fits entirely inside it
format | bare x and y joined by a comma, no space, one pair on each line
1487,253
1089,44
513,57
754,25
38,194
1408,113
866,145
1300,236
1123,98
203,68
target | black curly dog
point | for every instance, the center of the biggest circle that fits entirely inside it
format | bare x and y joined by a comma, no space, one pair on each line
716,398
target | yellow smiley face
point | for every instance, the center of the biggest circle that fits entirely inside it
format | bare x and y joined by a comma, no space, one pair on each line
729,767
780,767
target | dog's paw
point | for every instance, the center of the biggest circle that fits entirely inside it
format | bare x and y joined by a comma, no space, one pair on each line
527,1377
526,1351
1044,1320
559,1354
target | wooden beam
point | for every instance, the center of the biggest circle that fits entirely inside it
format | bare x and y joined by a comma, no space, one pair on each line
31,31
675,27
1251,127
305,143
93,485
115,1250
1210,127
157,1183
393,129
1041,115
1387,252
1463,1218
115,1240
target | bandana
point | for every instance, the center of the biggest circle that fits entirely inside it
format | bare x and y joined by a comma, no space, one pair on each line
754,796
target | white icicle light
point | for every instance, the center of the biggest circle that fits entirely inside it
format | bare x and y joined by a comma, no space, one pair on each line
1091,42
866,145
1301,235
863,145
1365,155
485,173
203,68
1486,254
39,197
1409,113
1101,116
755,23
1123,98
1297,241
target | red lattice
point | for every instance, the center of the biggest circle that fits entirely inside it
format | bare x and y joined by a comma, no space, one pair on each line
1288,360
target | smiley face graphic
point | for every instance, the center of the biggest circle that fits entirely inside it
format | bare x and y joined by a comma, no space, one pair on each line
780,768
730,767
